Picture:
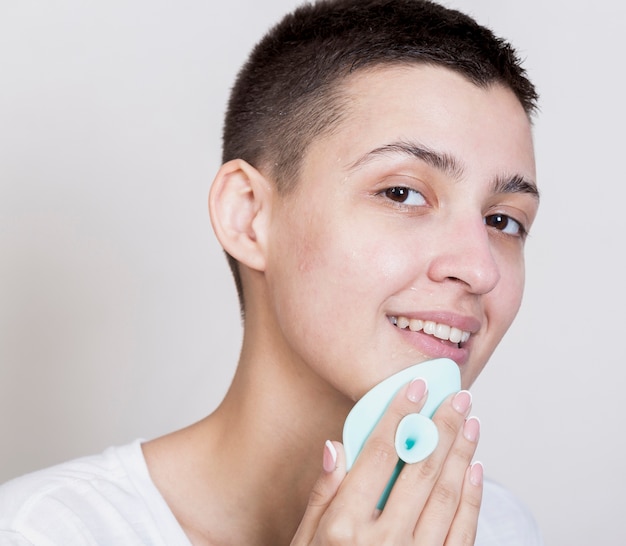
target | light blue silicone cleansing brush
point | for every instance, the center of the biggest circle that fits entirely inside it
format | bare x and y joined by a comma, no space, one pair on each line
416,435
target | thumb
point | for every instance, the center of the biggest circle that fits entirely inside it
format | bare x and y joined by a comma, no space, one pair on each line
323,492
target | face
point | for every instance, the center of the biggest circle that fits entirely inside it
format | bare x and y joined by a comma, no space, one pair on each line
404,240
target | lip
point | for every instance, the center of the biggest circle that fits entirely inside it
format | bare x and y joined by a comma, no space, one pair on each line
433,347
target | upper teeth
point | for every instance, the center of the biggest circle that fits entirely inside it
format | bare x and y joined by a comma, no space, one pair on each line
437,329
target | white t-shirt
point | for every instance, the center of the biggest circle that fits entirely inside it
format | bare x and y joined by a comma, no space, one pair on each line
110,499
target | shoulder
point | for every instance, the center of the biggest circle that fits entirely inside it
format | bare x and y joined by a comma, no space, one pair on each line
505,520
85,501
62,482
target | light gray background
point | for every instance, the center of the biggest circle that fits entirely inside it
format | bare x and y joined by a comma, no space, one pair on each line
118,318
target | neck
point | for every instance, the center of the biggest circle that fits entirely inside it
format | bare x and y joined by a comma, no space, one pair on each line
252,463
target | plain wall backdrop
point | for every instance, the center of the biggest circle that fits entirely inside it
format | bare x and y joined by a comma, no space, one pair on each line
118,317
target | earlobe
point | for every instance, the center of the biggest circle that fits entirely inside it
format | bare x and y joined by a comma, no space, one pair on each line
239,203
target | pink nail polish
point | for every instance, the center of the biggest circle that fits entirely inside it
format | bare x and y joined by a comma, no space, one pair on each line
417,389
462,402
476,473
329,461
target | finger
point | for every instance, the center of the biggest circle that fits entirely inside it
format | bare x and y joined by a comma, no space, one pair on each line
416,482
446,496
323,492
368,478
463,528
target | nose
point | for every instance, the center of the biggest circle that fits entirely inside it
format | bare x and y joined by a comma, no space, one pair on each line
464,255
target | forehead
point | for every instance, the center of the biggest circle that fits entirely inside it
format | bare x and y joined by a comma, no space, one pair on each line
435,107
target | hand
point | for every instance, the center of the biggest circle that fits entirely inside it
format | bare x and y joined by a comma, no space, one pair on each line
433,502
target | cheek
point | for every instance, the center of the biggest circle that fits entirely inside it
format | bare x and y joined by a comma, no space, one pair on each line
333,272
346,253
507,298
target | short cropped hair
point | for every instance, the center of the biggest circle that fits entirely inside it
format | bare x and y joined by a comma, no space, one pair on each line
289,90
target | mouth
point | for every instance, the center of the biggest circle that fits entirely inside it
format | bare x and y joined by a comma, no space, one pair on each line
444,332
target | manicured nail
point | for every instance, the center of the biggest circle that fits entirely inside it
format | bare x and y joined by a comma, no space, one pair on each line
476,473
471,429
417,389
330,457
462,402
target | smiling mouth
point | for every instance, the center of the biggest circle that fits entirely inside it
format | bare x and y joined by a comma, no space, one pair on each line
441,331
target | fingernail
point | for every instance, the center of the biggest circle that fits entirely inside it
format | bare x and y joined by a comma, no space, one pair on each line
471,429
330,457
417,389
462,402
476,473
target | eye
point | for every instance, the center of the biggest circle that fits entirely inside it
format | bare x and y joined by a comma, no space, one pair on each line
505,224
405,196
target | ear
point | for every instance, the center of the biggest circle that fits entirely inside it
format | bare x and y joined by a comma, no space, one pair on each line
239,205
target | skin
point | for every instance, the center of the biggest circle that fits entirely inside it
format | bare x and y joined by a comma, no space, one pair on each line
414,206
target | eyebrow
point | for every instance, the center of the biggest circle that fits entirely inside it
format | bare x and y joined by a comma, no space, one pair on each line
447,164
440,161
516,184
